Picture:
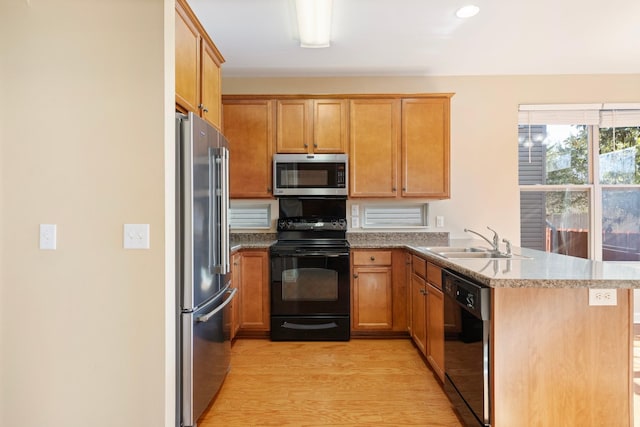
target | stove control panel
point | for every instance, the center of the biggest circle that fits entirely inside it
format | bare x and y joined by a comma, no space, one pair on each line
312,224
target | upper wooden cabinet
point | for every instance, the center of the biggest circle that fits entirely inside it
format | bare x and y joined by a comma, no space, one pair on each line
311,126
400,147
373,147
248,125
198,61
425,147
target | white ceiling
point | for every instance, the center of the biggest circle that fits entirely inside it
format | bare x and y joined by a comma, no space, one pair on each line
424,37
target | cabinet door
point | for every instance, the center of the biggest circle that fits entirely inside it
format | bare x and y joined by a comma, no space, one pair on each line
330,125
248,125
418,320
211,92
407,278
435,330
374,136
236,283
187,61
294,126
372,298
425,147
254,288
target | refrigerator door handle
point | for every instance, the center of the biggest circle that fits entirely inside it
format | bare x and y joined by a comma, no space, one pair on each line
225,250
209,315
222,192
212,204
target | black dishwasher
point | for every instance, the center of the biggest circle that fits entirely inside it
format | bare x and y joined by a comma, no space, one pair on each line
466,348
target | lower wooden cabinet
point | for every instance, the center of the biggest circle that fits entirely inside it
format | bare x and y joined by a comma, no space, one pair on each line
378,291
254,312
418,304
236,282
435,322
427,312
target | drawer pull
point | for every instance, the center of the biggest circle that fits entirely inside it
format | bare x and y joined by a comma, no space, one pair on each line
373,258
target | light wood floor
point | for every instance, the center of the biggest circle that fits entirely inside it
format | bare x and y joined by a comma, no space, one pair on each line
362,382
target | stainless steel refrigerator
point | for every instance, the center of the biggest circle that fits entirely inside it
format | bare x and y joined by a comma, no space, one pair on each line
203,277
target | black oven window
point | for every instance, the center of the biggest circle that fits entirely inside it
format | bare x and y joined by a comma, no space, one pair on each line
309,284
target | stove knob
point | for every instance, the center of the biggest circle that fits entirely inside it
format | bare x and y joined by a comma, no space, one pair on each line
282,224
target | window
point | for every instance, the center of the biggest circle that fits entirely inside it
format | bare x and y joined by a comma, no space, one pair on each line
579,176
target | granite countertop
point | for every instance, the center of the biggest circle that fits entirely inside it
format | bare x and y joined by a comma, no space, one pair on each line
538,269
252,240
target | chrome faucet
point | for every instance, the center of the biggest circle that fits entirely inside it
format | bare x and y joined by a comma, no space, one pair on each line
495,244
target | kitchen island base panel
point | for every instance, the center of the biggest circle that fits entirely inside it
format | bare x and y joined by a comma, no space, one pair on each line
558,361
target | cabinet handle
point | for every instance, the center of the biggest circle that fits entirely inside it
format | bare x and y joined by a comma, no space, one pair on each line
393,189
315,145
200,106
355,275
306,145
404,188
205,109
269,189
373,258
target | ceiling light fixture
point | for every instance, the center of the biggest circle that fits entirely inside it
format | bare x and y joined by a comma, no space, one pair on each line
314,22
467,11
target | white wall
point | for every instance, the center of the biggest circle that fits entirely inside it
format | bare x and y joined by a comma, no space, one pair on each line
484,170
85,121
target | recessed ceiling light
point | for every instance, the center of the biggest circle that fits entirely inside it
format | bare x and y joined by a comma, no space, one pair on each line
467,11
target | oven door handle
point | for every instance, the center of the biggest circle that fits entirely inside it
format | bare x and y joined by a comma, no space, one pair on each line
289,325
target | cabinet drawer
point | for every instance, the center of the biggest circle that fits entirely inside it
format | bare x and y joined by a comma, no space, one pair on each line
371,257
434,275
419,267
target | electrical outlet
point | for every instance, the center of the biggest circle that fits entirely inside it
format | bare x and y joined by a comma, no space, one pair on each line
439,221
355,210
603,297
355,222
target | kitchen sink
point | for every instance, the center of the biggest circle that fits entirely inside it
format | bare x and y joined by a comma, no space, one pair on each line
451,252
456,249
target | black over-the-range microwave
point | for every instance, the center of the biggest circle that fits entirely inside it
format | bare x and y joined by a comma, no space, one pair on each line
310,175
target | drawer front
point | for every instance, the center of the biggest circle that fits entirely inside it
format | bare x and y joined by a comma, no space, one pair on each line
371,257
419,267
434,275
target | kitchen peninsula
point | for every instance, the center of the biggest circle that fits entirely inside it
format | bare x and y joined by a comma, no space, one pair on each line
555,359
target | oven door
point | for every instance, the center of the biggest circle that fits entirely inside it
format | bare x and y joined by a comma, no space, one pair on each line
309,284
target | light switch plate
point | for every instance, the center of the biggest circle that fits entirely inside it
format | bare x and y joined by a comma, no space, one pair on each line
355,210
136,236
48,236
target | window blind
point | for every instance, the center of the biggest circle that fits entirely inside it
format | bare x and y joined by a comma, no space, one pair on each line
258,216
602,114
396,216
559,114
619,115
